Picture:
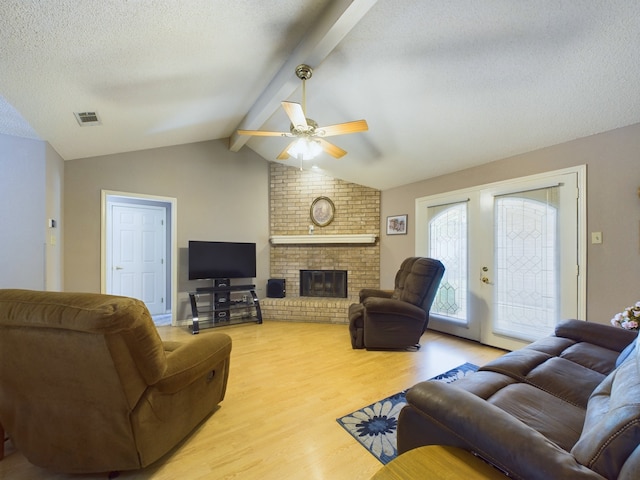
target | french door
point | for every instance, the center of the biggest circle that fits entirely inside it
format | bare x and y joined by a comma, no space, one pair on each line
512,254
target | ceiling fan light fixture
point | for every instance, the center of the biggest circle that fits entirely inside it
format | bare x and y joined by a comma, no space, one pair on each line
306,148
310,139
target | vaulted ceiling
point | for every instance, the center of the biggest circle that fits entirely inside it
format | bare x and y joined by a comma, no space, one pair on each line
443,84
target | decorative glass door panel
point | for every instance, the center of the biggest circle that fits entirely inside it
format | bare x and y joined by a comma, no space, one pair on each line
530,278
448,243
526,296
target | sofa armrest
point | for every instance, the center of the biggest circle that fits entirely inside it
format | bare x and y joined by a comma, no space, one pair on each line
190,360
374,292
492,433
605,336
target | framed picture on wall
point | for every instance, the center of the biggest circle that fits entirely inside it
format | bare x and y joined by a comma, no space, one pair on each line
397,225
322,211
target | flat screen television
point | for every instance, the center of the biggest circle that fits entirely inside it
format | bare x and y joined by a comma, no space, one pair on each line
208,260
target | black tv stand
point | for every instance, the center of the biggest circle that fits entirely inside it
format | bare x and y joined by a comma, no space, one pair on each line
223,305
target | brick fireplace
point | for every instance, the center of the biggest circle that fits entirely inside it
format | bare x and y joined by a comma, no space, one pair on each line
357,211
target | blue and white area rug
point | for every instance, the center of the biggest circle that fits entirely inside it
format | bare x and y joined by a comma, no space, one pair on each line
375,426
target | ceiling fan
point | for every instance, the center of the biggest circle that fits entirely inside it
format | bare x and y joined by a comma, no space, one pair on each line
309,137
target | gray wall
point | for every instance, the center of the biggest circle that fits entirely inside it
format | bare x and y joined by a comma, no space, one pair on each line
224,195
31,187
220,195
613,208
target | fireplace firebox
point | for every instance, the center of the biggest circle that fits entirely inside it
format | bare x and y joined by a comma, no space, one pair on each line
323,283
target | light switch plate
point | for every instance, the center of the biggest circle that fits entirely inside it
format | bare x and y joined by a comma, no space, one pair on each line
596,237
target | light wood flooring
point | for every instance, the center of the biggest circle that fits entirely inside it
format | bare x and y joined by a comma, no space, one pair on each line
288,384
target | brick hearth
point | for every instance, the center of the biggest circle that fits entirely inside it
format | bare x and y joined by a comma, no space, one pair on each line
311,310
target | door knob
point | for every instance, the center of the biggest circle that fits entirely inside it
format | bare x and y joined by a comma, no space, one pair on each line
119,268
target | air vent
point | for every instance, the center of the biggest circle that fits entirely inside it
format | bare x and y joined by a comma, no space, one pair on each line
87,118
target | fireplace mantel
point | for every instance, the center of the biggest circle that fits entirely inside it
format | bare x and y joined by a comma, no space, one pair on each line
307,239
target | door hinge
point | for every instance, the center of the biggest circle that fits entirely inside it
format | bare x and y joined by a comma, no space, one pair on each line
162,261
161,222
162,300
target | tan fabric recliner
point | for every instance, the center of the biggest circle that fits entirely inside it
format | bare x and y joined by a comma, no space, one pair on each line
396,319
87,385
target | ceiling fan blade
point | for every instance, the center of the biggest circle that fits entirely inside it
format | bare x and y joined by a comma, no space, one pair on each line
284,155
263,133
343,128
295,113
332,149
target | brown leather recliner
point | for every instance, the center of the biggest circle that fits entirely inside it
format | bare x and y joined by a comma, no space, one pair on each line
87,385
396,319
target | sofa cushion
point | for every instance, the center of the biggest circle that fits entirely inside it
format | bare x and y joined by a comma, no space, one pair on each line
566,380
558,366
517,364
553,346
593,357
559,422
483,383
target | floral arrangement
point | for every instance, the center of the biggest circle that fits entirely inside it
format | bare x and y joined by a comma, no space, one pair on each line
629,318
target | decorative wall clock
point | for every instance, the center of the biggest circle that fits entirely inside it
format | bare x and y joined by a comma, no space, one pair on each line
322,210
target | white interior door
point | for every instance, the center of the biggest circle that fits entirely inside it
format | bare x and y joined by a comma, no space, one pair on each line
135,254
511,256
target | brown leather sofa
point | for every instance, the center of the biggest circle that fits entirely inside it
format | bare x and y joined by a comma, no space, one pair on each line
557,409
396,319
87,385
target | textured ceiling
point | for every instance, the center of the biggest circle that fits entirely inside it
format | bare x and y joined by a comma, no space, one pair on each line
444,85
